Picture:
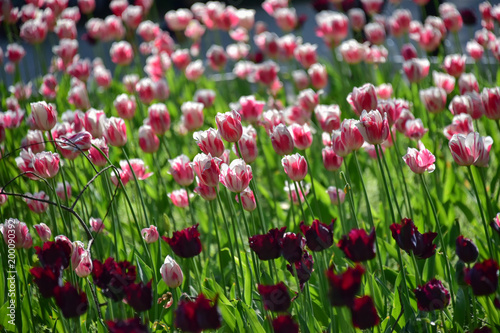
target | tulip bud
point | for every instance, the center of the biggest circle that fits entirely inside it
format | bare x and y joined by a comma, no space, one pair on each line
95,155
363,98
282,140
171,273
295,166
43,231
237,176
46,164
336,195
331,161
115,132
247,199
125,106
22,237
96,224
150,234
181,170
63,191
229,125
192,115
44,116
179,198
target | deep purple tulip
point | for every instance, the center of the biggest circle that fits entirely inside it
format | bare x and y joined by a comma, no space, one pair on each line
46,279
71,302
484,329
197,315
185,243
126,326
483,277
364,314
344,286
304,268
466,250
275,297
55,255
425,248
410,239
267,246
432,296
285,324
358,245
292,246
319,236
113,277
139,296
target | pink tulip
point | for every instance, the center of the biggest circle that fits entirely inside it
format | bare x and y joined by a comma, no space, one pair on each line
363,98
16,232
171,273
251,109
333,27
237,176
352,51
85,266
282,140
433,99
336,195
206,192
44,115
205,97
373,126
302,136
465,149
268,43
125,106
132,16
331,161
452,20
138,167
384,91
148,141
295,166
33,140
65,29
86,6
339,146
328,117
414,129
372,6
429,38
181,170
357,18
15,53
95,155
247,199
416,69
216,57
43,231
94,122
229,125
46,164
63,191
266,72
375,33
306,55
145,90
444,81
159,118
207,169
210,142
409,52
96,224
286,18
181,58
454,64
467,83
491,102
461,124
192,115
350,135
179,198
318,75
115,132
287,45
308,99
36,206
420,160
248,147
300,79
150,234
194,70
474,49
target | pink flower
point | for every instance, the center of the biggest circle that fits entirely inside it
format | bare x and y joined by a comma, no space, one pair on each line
465,149
268,43
181,170
17,231
237,176
270,6
363,98
65,29
290,188
95,155
281,140
357,18
194,30
444,81
331,161
132,16
207,169
248,146
454,64
138,168
332,27
484,152
208,193
352,51
80,69
416,69
403,118
429,38
420,160
34,203
181,58
351,135
414,129
229,125
210,142
461,124
63,190
148,30
96,224
408,52
286,18
102,76
247,199
15,53
328,117
467,83
44,116
306,55
434,99
373,126
384,91
171,273
150,234
318,75
86,6
375,33
266,72
287,45
115,132
295,166
205,97
159,118
491,102
302,136
125,106
46,164
246,18
78,96
216,57
251,109
85,265
300,79
178,20
372,6
308,99
179,198
474,49
43,231
336,195
192,115
148,141
145,90
452,20
469,103
194,70
49,86
33,140
339,146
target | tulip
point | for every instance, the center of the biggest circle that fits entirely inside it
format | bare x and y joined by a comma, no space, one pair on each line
34,140
210,142
275,297
229,125
85,266
171,273
336,195
461,124
358,246
328,117
292,246
444,81
282,140
286,18
148,141
409,239
185,243
181,170
308,99
331,161
285,324
373,126
150,235
34,203
70,300
113,277
295,166
306,54
333,27
63,190
465,148
181,58
139,296
432,296
247,199
125,106
192,115
115,132
44,116
55,255
207,169
197,315
46,164
363,313
216,57
352,51
466,250
491,102
43,231
96,224
434,99
194,70
236,177
205,97
94,122
95,155
16,233
344,286
251,109
266,72
416,69
467,83
420,160
303,267
300,79
483,277
454,64
375,33
179,198
145,89
384,91
46,279
267,246
319,236
357,18
302,136
351,136
474,49
363,98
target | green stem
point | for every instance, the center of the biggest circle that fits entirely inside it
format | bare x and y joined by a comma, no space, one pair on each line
300,201
313,189
350,198
216,223
26,285
390,182
491,213
307,201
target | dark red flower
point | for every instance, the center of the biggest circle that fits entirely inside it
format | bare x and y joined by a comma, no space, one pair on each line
484,329
285,324
363,312
267,246
432,296
319,236
425,248
132,325
197,315
410,239
71,302
113,277
344,286
468,16
320,5
358,245
139,296
54,254
466,250
275,297
483,277
46,279
304,268
292,246
185,243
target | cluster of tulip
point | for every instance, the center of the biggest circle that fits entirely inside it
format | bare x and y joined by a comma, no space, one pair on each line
176,238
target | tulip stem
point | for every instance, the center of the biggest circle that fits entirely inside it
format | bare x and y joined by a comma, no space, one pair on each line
189,206
26,285
307,201
339,208
485,224
313,189
488,199
300,201
294,223
390,182
256,267
400,164
253,187
350,198
417,272
440,233
216,223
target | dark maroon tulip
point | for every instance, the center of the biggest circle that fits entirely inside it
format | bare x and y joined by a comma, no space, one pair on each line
46,279
358,245
432,296
185,243
483,277
275,297
285,324
496,303
267,246
113,277
319,236
468,16
304,268
197,315
405,234
139,296
71,302
466,250
344,286
132,325
484,329
425,248
363,312
292,246
55,255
